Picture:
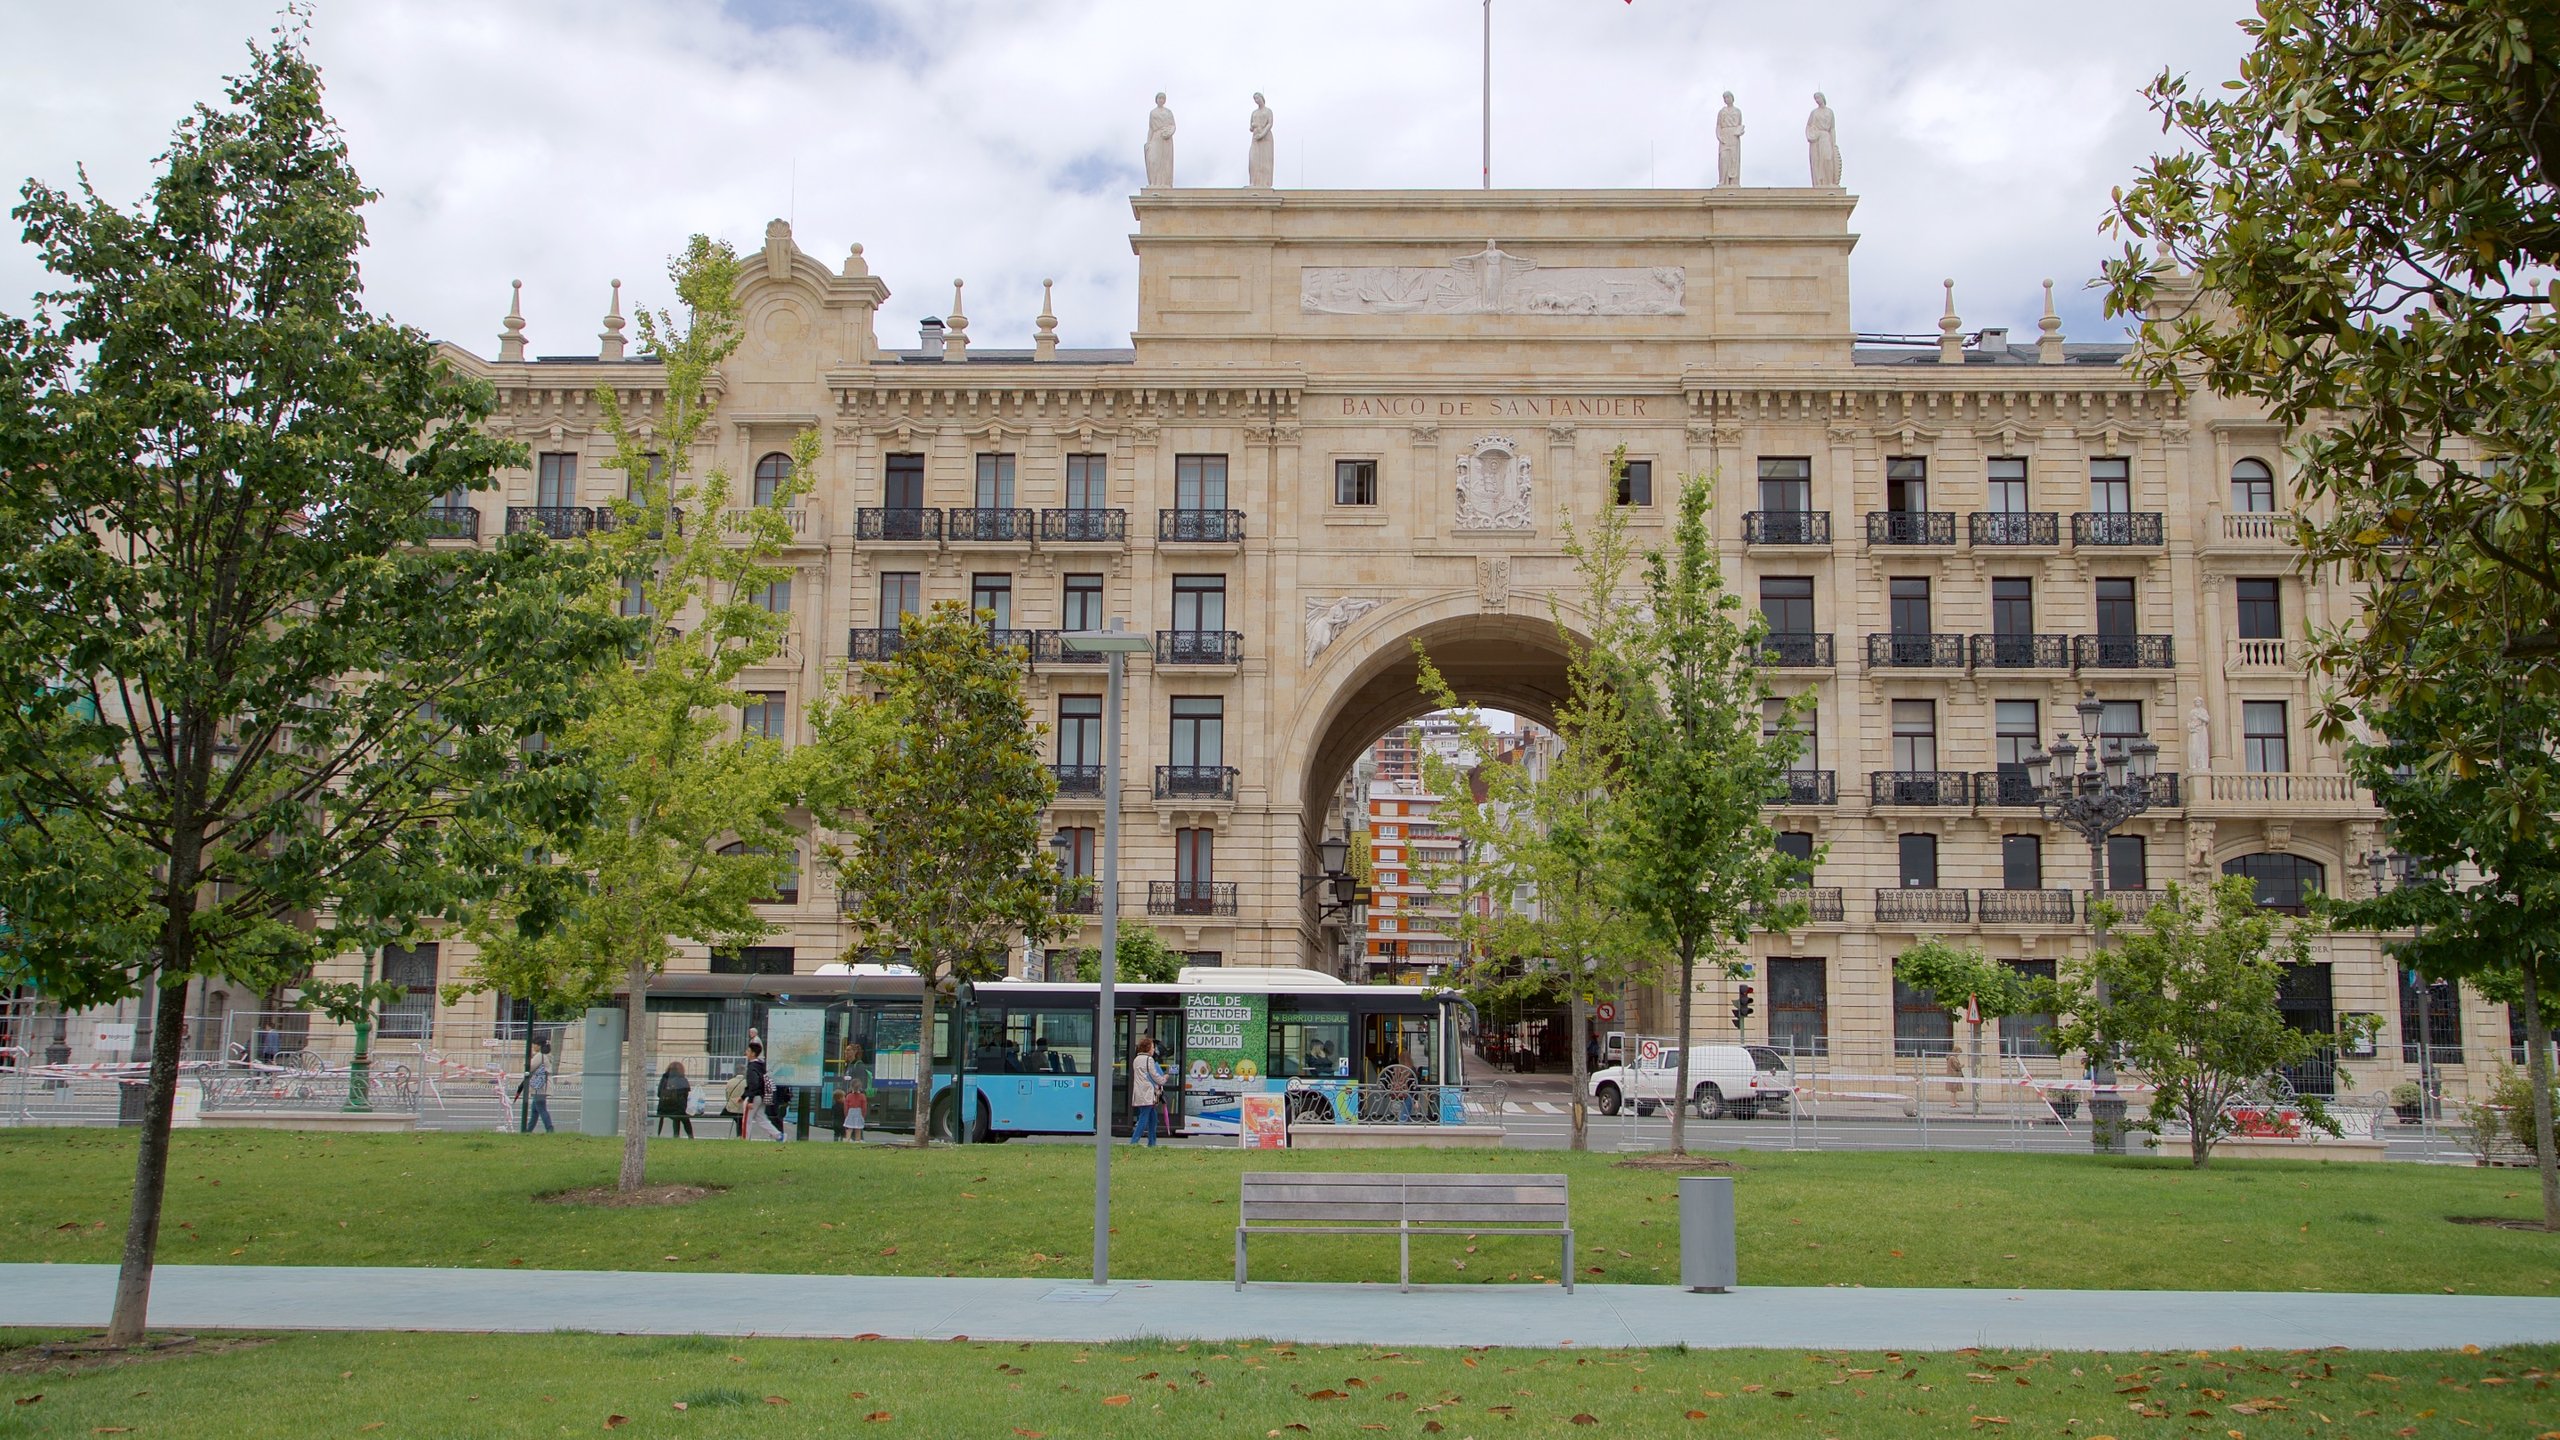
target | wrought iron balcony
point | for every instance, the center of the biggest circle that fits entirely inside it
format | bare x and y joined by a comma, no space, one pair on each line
2043,907
2003,787
607,519
1919,787
453,522
989,525
560,522
2122,652
2014,527
1005,639
1807,787
1786,527
2164,791
1915,652
2116,529
874,644
1048,647
1085,780
2131,905
1084,525
1797,651
1822,903
1080,895
2021,652
1199,647
875,522
1200,527
1191,897
1196,782
1911,527
1911,904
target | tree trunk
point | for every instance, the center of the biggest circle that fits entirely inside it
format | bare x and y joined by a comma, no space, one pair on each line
1973,1066
1581,1012
2537,1070
2199,1139
1680,1079
635,1076
924,1062
151,1163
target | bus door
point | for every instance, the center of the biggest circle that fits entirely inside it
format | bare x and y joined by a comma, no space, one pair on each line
1165,1024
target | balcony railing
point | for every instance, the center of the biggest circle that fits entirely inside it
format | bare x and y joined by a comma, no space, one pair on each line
2164,790
2022,652
2142,528
1807,787
560,522
1191,897
865,644
2276,787
1005,639
876,522
1913,905
2122,652
739,520
2015,527
1195,782
1049,647
453,522
1794,651
2131,905
1084,525
2041,907
2002,787
2258,527
1199,647
989,525
606,519
1081,895
1786,527
1915,652
1083,780
1911,527
1821,903
2265,656
1200,527
1919,787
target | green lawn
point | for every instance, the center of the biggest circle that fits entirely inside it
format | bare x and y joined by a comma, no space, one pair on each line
281,1198
456,1387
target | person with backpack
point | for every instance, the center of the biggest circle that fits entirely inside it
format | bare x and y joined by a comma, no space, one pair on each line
752,1086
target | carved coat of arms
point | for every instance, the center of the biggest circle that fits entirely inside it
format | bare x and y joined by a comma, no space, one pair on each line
1493,486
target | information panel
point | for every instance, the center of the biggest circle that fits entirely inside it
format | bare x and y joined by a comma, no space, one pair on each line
795,1045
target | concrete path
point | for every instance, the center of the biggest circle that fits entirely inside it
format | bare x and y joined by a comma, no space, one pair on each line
213,1297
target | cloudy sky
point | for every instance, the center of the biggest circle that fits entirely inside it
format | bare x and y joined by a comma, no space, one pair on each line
570,142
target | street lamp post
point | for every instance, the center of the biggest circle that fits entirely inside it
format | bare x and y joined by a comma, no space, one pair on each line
2109,786
1118,644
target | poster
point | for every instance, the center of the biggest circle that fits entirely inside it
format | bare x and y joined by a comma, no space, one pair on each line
1226,1044
795,1045
1263,1121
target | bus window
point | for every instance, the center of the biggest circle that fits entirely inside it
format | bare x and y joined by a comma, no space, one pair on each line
1313,1045
1398,1040
1049,1042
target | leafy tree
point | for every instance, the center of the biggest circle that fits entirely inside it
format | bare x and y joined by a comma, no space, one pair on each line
941,791
1144,959
2191,1008
690,828
251,718
1694,859
1956,974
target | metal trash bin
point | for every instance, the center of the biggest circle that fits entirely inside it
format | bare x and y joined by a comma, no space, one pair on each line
1707,1259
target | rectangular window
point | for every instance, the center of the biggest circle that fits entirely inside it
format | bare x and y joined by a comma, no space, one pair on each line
1921,1026
2119,720
1080,730
2008,475
1786,484
2032,1033
1199,730
2022,862
1355,482
1307,1043
902,484
2110,486
1797,844
2116,619
1915,735
1077,851
1919,854
1787,601
652,479
555,480
1199,602
774,598
1799,1006
2013,735
1194,856
2261,610
1635,483
1085,477
2013,606
2443,1029
635,597
993,594
995,482
1909,599
901,595
2263,749
757,960
2128,863
1774,719
763,715
1199,482
1906,484
1080,608
413,1015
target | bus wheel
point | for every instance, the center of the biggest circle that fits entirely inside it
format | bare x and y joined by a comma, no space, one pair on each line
944,1126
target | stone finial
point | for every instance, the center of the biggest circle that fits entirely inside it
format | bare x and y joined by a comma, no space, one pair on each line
511,339
1044,342
1950,331
2049,343
610,347
777,250
955,331
855,267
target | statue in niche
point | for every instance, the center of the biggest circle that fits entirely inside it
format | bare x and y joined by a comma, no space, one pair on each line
1159,145
1822,144
1257,156
2199,740
1728,143
1327,619
1493,486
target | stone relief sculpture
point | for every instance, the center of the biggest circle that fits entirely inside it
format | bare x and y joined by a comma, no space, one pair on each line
1327,619
1257,155
2199,741
1728,143
1493,581
1159,145
1822,144
1492,281
2200,848
1493,486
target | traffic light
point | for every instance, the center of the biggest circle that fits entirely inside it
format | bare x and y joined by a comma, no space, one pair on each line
1741,1006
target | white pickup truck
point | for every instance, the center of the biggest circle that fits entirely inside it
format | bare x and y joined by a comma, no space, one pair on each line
1736,1080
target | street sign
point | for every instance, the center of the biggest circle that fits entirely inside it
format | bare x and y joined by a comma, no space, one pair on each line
1608,1013
1649,1051
113,1035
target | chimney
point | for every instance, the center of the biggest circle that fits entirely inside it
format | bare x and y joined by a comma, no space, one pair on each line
1992,340
929,337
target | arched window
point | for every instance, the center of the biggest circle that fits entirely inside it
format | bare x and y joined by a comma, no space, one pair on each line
2285,882
2253,487
785,893
774,469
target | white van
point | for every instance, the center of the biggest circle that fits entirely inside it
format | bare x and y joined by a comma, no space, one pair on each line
1736,1080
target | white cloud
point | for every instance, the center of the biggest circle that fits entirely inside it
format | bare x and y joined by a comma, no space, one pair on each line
577,141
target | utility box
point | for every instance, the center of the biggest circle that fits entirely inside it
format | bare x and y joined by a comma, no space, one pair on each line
600,1074
1707,1259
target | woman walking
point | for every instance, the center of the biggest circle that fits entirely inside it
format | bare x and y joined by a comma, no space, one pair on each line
756,1088
1146,1092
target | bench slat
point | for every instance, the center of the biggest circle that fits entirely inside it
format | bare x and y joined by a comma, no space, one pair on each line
1487,1214
1386,1213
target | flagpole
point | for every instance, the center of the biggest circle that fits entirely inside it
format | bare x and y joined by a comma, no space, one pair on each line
1488,94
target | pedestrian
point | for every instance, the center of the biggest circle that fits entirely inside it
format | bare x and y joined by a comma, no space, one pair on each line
1146,1092
535,1089
853,1083
675,1100
733,1102
777,1108
754,1091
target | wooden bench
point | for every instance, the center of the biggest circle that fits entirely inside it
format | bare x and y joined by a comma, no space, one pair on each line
1319,1203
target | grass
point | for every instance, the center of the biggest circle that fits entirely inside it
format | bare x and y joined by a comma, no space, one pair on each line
460,1387
1999,1220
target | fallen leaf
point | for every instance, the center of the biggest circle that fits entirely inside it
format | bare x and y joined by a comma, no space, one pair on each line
616,1422
1432,1427
1586,1419
682,1406
1319,1395
892,1250
775,1400
1696,1415
1030,1434
30,1399
1123,1399
878,1416
868,1335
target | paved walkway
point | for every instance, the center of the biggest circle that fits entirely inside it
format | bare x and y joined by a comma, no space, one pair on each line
213,1297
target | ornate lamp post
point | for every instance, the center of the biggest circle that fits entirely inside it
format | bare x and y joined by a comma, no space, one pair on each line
2095,787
